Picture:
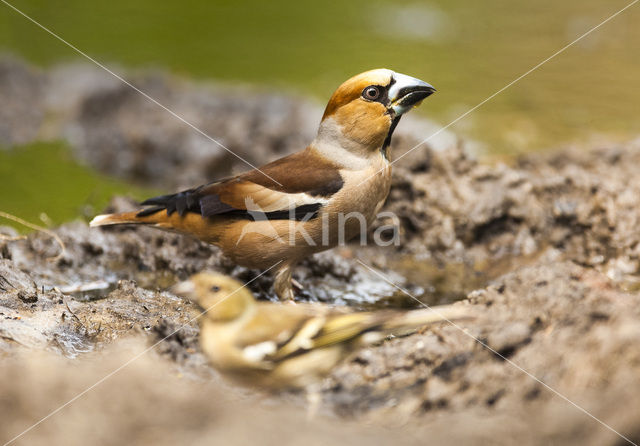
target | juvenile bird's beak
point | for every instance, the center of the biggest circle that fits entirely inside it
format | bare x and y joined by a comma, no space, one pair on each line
185,289
407,92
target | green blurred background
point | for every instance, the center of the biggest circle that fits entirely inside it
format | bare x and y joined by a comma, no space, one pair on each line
467,49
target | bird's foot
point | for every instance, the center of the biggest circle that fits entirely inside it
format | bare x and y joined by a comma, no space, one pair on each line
288,296
282,284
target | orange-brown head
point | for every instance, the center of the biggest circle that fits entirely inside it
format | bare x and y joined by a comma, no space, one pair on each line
363,112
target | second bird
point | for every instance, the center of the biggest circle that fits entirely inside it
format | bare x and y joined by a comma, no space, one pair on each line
277,346
278,214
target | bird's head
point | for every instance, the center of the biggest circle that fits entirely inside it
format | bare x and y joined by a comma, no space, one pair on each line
363,112
220,297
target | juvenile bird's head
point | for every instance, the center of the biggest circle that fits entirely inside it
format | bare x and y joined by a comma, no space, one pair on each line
364,111
221,297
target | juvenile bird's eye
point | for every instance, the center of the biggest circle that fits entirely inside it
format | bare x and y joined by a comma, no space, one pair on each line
215,288
371,93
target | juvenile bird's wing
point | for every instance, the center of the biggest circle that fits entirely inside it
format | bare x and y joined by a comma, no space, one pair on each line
346,327
275,329
292,186
284,331
336,327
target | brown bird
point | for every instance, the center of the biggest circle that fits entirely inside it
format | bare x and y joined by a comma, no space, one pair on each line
298,205
281,346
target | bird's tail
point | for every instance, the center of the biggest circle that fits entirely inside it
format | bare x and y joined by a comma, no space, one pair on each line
165,211
118,219
411,320
191,223
374,326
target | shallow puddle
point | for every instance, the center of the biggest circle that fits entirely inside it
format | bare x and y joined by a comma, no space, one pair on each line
437,283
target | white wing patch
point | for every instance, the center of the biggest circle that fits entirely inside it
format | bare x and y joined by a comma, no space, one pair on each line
257,352
279,201
372,337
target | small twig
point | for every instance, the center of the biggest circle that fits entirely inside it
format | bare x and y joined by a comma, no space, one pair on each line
49,232
74,315
11,238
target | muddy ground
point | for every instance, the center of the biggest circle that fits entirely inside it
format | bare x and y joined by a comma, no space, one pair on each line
545,251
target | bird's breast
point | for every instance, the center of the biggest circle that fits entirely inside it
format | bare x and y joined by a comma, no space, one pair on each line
364,191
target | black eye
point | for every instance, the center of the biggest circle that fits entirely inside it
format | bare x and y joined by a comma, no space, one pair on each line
215,288
371,93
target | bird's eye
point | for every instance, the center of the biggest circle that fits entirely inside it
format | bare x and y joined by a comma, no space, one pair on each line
371,93
215,288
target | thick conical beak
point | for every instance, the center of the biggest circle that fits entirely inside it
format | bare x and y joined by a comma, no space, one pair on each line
407,92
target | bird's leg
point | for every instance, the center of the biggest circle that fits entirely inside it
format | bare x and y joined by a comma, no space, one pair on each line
282,283
314,400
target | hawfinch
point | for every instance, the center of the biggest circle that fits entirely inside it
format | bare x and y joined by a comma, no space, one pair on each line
296,206
289,346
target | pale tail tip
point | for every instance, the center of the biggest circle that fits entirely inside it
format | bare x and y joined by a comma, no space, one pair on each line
99,220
